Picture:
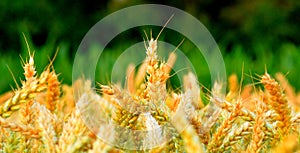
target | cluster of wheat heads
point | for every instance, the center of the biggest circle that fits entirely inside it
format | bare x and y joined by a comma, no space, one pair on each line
40,116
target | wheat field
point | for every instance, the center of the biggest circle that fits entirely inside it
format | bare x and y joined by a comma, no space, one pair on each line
40,115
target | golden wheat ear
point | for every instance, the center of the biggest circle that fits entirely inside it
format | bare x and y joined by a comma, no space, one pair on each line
190,138
289,91
25,130
279,102
258,134
224,129
73,134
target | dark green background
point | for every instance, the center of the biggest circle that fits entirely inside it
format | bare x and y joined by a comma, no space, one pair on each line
258,33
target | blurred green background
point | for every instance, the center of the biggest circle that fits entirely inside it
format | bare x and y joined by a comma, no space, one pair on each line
258,33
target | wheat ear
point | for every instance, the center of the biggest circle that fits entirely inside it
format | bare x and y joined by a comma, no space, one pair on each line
25,130
46,123
278,102
73,129
191,140
223,130
289,90
236,135
258,132
30,88
53,91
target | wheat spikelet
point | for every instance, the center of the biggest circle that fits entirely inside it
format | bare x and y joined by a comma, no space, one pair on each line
29,70
248,116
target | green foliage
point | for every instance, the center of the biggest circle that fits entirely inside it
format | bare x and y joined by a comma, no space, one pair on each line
256,34
286,61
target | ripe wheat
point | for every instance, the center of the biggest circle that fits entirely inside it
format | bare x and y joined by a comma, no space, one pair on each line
40,116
